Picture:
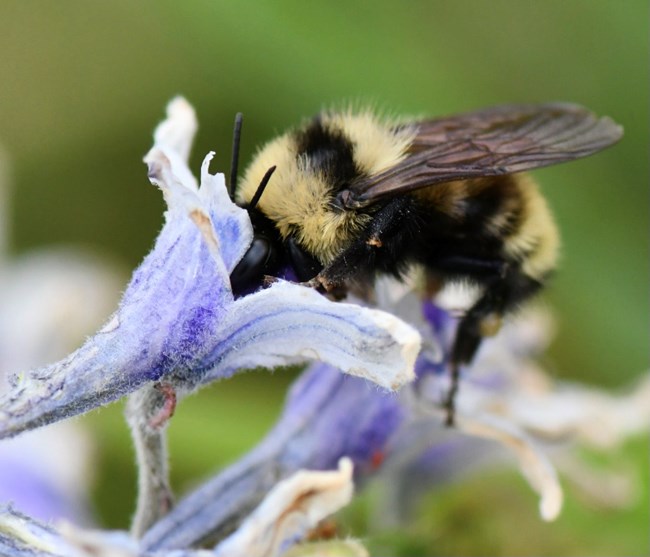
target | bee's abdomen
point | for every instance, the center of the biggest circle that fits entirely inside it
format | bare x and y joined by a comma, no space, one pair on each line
535,241
497,218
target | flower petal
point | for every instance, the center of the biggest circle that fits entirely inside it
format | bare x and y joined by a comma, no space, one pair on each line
172,305
235,232
590,415
294,506
174,137
287,323
534,465
21,536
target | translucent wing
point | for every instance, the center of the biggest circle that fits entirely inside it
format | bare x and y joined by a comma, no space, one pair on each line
490,142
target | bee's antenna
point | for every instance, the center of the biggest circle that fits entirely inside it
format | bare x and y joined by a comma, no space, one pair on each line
261,187
234,161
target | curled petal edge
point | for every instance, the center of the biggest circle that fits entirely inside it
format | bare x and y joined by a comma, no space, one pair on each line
294,506
534,465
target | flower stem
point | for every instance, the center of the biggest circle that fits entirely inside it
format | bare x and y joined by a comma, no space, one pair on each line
147,412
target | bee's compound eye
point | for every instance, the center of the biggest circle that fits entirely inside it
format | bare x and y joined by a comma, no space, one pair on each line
249,271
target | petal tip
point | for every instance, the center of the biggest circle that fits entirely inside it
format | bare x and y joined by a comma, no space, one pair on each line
550,504
407,337
181,111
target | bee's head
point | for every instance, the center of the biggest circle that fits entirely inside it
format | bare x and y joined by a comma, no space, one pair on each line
268,253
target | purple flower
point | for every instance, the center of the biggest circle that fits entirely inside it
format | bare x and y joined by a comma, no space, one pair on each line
178,320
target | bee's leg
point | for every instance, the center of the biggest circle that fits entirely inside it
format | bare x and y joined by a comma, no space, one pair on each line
335,291
502,294
379,248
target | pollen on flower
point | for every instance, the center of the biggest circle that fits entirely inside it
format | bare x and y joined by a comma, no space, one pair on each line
204,224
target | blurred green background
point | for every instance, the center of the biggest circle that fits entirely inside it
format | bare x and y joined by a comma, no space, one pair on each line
83,85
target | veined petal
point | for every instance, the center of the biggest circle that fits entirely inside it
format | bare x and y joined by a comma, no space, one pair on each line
289,323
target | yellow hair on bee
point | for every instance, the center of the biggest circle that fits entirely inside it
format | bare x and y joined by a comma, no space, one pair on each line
537,238
377,145
523,220
297,198
448,198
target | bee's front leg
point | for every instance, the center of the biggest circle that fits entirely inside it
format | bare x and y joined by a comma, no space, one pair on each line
334,290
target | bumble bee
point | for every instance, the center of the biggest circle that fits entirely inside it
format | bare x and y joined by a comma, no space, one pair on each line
347,197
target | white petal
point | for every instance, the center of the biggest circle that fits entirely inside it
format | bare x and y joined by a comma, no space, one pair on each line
535,466
174,137
292,508
593,416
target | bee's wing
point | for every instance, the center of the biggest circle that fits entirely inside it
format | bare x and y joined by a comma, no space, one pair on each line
495,141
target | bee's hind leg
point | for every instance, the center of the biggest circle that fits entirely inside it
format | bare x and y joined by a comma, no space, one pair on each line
502,294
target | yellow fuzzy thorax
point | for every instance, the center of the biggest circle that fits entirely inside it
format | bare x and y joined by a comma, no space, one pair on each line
297,198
